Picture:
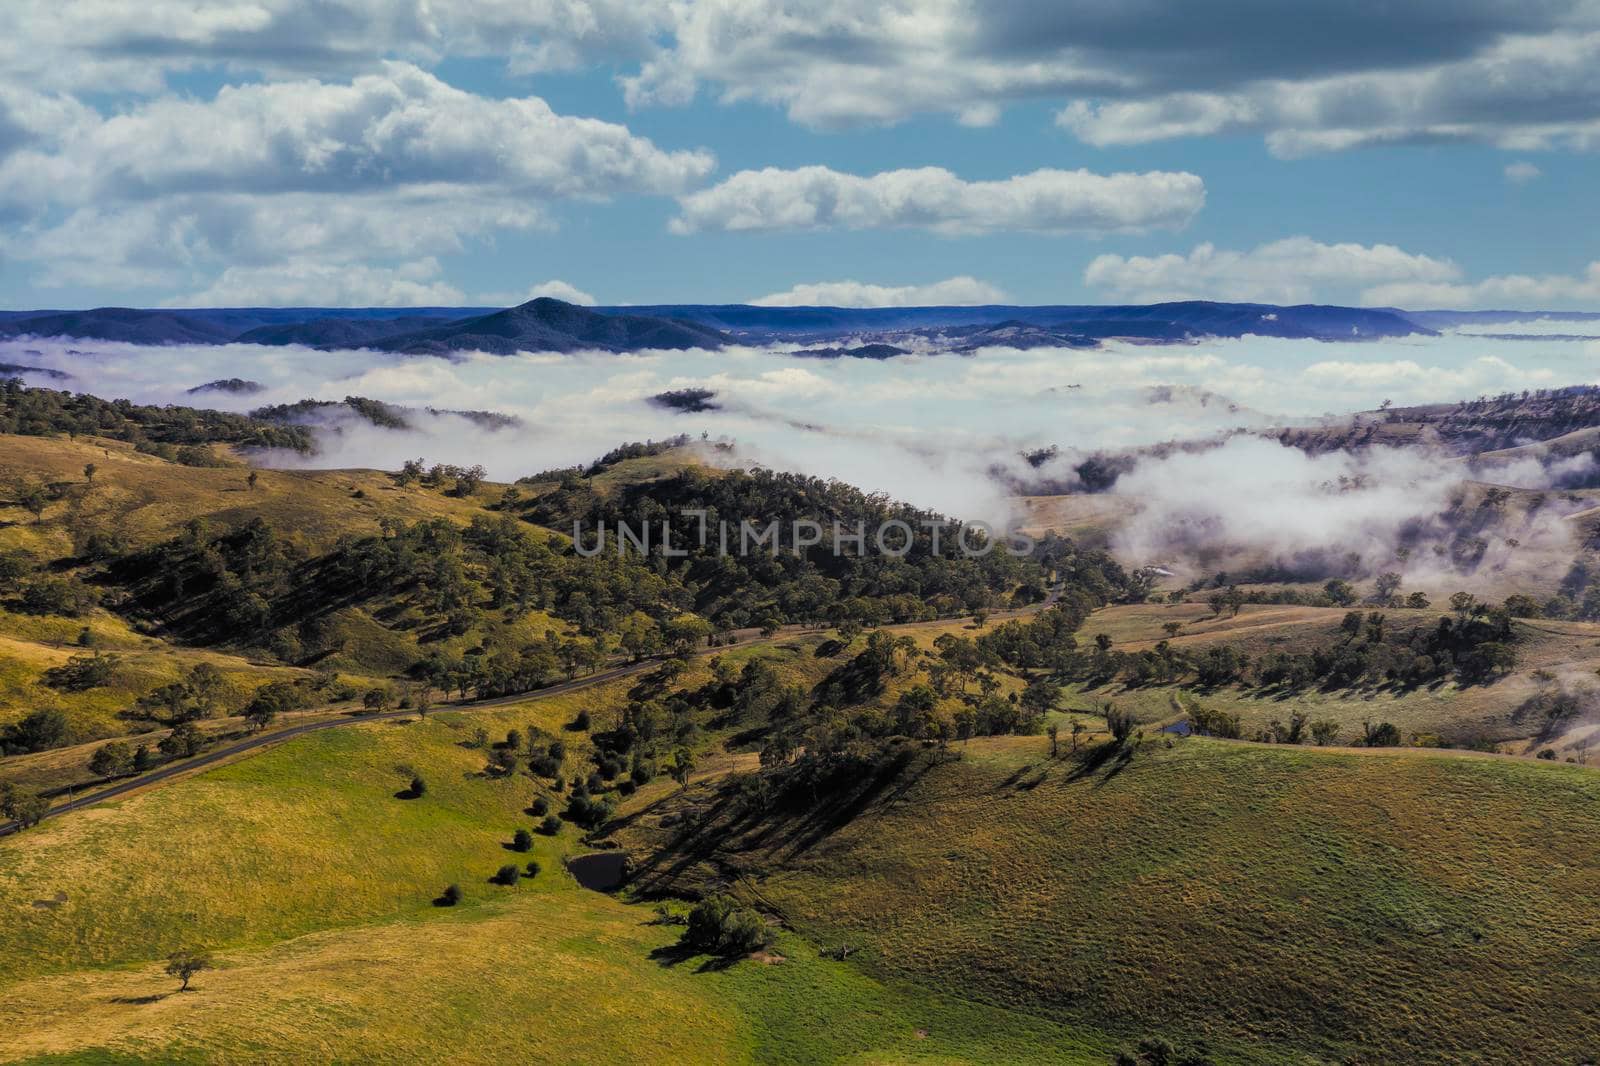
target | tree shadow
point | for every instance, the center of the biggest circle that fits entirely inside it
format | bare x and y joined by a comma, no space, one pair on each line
139,1001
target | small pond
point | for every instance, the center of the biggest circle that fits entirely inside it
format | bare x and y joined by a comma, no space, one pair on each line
600,870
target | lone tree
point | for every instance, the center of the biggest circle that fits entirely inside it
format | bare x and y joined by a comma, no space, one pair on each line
185,964
251,480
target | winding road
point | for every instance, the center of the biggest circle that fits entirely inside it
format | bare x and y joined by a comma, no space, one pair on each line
211,758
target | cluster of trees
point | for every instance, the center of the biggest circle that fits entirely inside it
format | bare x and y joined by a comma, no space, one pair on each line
39,412
745,585
463,480
1476,645
719,926
25,808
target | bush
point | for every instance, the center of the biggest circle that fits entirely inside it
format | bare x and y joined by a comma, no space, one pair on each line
550,826
532,869
112,760
717,926
451,895
507,875
590,812
522,840
581,723
419,787
540,807
626,787
36,732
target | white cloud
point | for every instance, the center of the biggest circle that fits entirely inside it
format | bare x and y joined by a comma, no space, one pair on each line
400,127
951,292
1546,292
1522,172
560,290
1293,270
1312,76
313,284
1518,92
1045,201
382,170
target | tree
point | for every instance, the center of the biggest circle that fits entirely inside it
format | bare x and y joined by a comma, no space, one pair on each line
184,740
450,896
1417,601
377,699
88,472
1171,629
26,808
550,826
36,732
1387,584
1324,732
980,618
1053,730
1121,722
1040,696
682,766
1462,603
33,498
112,760
507,875
717,926
522,840
251,479
1341,592
419,787
185,964
1078,729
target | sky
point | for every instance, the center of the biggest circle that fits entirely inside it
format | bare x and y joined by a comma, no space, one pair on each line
1435,153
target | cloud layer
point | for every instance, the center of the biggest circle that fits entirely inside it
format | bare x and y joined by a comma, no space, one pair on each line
951,292
1045,201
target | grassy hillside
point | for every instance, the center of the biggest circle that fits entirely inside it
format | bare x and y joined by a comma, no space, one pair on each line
1283,904
314,884
1455,712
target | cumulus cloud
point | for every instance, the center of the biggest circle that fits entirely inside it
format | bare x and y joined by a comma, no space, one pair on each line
107,43
1554,292
302,284
388,168
1311,76
1518,91
951,292
1045,201
555,289
1522,172
1293,270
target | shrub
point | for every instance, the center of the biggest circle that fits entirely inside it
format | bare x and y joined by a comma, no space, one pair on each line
717,926
532,869
36,732
550,826
522,840
112,760
540,808
581,723
419,787
507,875
1382,735
626,787
451,895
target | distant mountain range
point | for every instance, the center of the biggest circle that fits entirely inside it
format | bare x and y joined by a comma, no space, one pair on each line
546,325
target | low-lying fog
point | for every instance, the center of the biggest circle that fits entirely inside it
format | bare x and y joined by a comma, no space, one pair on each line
928,429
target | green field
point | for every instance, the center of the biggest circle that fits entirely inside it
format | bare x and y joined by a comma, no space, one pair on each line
313,884
1282,904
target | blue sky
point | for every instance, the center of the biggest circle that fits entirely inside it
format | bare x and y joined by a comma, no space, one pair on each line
454,153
